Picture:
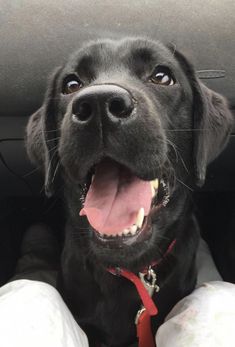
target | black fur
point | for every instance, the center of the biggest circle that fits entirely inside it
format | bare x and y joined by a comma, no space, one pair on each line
175,131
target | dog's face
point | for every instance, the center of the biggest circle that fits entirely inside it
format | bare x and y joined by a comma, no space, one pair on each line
128,127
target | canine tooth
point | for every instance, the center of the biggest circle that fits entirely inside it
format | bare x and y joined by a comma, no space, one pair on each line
155,183
140,218
153,190
133,229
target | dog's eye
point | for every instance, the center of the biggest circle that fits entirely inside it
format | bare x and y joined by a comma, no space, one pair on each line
71,85
163,76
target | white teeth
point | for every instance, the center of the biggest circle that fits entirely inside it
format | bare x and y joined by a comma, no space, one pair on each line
140,218
153,191
154,186
128,231
93,176
155,183
125,231
133,229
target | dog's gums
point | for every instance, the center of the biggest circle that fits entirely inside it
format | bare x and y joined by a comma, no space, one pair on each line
117,189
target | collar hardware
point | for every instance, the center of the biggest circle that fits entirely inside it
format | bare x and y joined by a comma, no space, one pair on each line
139,313
149,281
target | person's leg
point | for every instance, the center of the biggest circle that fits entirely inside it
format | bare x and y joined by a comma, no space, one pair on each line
207,270
39,255
206,317
33,313
203,319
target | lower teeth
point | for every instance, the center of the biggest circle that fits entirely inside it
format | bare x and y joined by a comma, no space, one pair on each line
129,232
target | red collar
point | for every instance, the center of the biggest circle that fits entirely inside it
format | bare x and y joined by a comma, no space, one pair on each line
157,262
145,290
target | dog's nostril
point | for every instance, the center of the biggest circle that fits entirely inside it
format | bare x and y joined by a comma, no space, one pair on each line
116,106
83,111
120,107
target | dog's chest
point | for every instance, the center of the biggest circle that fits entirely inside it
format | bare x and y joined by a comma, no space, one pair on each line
107,306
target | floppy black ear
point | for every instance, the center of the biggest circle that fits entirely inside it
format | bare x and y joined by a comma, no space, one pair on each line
212,122
42,136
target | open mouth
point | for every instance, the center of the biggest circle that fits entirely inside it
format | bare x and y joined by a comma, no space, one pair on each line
119,205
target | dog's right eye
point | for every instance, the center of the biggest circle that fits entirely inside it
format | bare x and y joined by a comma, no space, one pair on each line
71,85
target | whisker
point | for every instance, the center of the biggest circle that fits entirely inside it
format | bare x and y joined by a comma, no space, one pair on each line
56,170
177,153
32,171
161,237
54,139
174,148
52,149
50,162
50,131
184,165
184,184
185,130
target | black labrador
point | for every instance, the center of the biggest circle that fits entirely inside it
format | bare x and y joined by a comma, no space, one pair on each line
125,132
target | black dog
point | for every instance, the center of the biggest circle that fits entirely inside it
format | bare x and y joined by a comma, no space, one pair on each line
125,130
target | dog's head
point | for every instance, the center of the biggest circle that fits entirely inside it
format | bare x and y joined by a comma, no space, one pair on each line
128,127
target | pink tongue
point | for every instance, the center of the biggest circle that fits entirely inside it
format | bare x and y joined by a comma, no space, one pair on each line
114,198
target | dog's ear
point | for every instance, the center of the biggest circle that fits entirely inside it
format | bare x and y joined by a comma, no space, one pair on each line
42,136
212,122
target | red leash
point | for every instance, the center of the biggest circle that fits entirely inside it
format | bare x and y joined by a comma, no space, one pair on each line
145,290
144,331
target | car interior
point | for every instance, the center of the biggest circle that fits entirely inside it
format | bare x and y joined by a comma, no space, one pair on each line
37,36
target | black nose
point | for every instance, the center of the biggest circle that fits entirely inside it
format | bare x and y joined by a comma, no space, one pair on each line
108,100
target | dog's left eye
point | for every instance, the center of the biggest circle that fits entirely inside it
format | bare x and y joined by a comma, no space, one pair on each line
163,76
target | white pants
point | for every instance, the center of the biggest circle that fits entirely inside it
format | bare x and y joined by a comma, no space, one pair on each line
205,318
33,314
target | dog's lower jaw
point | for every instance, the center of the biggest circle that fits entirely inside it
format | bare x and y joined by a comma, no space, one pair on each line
164,228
